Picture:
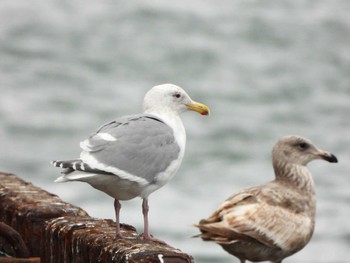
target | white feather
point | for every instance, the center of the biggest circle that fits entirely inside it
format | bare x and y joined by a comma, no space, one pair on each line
94,164
106,136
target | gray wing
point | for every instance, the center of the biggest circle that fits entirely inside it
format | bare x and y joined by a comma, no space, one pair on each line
142,145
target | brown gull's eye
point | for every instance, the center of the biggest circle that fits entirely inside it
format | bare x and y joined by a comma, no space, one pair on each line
303,145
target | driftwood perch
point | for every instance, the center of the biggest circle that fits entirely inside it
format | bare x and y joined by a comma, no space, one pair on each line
55,231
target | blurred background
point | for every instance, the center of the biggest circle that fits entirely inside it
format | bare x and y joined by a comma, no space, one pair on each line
265,68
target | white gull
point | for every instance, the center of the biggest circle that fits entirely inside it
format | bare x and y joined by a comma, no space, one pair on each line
136,155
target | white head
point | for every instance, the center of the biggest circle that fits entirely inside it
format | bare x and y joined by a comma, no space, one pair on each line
169,97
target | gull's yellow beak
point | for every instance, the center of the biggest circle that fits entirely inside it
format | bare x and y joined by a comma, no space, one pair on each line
198,107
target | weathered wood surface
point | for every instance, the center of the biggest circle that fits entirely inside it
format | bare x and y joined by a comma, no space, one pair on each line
56,231
12,241
19,260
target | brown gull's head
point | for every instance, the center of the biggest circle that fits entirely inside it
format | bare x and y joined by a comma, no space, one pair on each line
298,150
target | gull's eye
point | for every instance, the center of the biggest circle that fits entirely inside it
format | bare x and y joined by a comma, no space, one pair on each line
303,145
177,95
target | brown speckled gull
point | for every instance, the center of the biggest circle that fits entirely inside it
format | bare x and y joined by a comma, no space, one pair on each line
275,220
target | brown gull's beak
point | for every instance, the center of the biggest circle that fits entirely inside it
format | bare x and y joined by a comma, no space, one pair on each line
328,157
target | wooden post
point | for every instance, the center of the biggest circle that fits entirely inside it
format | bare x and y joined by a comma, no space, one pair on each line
56,231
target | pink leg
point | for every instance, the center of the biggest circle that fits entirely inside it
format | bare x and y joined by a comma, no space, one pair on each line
145,209
146,234
117,207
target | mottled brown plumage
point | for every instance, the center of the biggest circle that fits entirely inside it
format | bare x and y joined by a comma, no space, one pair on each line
275,220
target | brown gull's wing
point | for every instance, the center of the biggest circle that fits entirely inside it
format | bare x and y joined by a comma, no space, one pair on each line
264,214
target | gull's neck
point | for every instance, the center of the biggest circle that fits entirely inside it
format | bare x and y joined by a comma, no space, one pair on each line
172,119
299,179
295,175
